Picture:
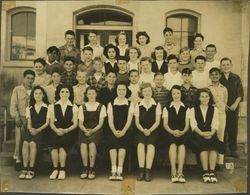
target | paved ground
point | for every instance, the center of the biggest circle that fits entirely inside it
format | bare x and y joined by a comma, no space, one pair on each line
229,182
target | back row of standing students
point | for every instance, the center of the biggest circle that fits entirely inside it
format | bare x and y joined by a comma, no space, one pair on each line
67,75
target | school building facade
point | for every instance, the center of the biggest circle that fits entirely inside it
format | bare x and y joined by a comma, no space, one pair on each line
28,28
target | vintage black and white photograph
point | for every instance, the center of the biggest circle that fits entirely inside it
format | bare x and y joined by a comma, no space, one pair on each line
124,96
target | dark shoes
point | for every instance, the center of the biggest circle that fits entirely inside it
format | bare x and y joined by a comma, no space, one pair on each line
140,176
148,176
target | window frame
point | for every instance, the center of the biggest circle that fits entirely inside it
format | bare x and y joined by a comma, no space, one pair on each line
10,14
186,12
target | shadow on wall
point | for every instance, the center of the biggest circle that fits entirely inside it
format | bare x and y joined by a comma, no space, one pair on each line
7,84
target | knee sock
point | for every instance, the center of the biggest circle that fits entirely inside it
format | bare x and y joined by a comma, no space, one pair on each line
113,169
119,170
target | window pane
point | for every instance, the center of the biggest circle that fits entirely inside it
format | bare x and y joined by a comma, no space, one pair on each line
19,24
18,47
31,24
189,24
177,38
104,17
31,48
174,23
184,39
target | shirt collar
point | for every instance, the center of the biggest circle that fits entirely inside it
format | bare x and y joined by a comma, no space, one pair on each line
151,103
108,61
173,104
124,102
68,103
55,62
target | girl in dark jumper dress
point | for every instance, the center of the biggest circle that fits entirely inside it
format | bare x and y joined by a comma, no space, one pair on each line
38,121
204,122
91,117
63,122
120,115
147,120
176,125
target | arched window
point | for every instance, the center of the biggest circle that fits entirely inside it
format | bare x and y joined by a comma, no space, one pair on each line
185,24
107,21
22,38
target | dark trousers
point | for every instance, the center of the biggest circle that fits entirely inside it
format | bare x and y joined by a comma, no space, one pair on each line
231,130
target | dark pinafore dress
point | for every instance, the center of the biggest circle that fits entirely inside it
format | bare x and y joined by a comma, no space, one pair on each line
177,121
201,144
68,139
37,120
91,120
147,119
120,114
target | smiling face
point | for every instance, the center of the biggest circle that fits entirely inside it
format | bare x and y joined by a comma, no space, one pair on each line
98,65
56,78
87,55
204,98
168,37
146,66
39,68
159,54
215,76
68,66
64,94
210,52
159,81
92,38
226,66
121,91
185,55
176,95
122,65
173,65
81,77
186,78
198,42
111,78
147,93
122,40
133,54
91,94
38,95
28,80
52,56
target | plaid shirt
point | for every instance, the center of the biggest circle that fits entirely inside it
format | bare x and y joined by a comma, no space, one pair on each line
189,96
75,52
68,79
101,83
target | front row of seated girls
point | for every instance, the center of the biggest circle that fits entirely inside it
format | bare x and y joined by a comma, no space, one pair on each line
64,117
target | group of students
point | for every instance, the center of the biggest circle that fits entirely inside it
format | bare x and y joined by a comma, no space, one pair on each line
184,99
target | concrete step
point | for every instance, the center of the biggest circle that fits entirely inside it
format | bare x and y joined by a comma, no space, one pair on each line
6,158
8,146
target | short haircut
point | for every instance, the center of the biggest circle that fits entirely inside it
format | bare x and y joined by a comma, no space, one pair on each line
88,48
69,32
93,31
167,29
121,33
142,33
184,49
122,58
69,58
60,87
211,45
131,71
111,71
159,48
158,74
128,94
200,57
187,71
133,47
97,59
53,48
214,69
26,72
172,57
32,99
144,86
109,46
226,59
86,99
206,90
80,71
199,35
146,58
40,60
